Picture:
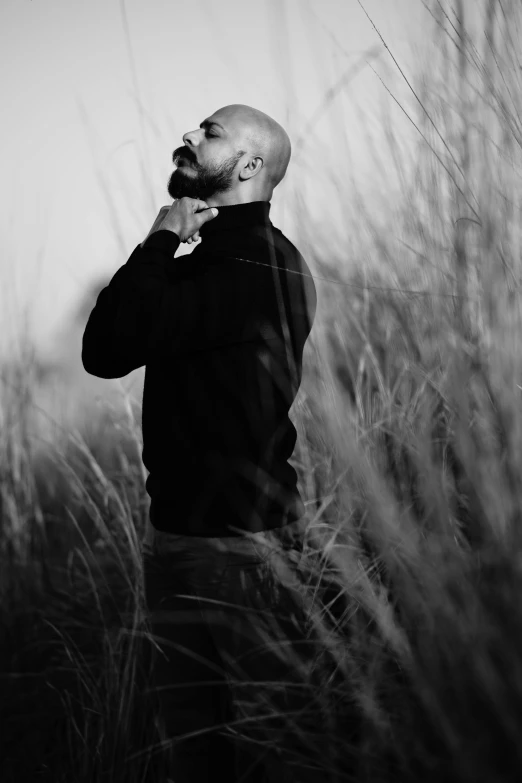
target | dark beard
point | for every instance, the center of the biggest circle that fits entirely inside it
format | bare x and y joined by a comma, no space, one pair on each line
203,182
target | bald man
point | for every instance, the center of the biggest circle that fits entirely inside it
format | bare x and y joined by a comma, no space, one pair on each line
221,334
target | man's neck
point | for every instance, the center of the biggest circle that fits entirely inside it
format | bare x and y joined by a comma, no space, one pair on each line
229,199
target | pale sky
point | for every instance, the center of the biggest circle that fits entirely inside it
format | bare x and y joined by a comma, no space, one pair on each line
70,121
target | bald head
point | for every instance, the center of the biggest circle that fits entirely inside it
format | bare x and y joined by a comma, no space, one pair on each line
237,155
259,135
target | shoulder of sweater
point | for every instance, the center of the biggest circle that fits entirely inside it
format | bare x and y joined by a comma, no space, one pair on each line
256,245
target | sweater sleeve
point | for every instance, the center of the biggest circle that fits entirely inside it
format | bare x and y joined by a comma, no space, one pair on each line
120,327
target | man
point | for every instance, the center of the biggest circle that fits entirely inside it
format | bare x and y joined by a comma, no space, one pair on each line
221,333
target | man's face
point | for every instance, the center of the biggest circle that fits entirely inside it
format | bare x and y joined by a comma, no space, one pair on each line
206,162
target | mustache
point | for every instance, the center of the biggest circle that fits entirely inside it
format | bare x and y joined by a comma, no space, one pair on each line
182,154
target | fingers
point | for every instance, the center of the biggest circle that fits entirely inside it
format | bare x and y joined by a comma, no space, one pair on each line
208,214
201,206
198,205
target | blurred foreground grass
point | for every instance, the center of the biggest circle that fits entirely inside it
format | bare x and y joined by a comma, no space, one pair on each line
409,457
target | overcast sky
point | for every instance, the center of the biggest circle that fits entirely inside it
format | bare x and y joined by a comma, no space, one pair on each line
72,134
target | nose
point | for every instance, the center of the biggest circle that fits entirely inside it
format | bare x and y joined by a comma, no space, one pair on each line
191,138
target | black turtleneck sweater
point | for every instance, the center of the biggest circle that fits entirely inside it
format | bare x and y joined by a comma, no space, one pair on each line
222,343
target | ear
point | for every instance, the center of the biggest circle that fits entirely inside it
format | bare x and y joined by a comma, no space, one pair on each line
251,168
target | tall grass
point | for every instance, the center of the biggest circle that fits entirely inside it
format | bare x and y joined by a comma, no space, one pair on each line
409,458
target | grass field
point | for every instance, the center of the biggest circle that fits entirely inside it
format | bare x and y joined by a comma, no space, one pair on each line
409,457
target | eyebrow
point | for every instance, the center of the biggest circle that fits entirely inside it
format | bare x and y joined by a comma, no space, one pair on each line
207,123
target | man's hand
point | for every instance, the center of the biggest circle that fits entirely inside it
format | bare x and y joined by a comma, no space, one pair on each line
185,217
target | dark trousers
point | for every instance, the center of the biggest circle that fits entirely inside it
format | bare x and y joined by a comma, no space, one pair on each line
222,613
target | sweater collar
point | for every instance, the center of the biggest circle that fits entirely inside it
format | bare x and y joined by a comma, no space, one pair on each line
253,213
